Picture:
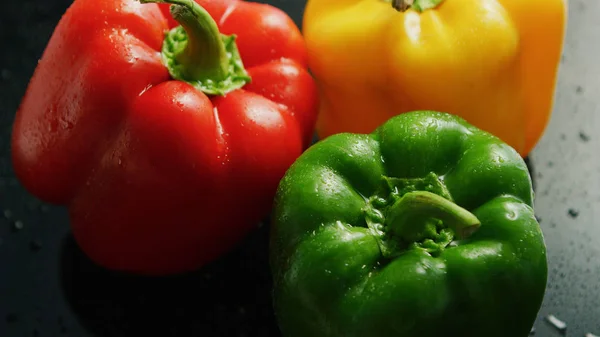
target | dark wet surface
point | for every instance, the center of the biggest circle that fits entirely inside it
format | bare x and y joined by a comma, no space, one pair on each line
49,288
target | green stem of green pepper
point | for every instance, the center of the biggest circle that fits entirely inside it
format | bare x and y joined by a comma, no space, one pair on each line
408,216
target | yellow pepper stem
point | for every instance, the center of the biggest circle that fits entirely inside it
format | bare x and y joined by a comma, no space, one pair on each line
418,5
401,5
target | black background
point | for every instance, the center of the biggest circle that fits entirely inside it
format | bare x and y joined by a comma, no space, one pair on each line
48,288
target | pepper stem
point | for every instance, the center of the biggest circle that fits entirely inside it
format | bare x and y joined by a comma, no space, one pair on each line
197,53
401,5
408,217
418,5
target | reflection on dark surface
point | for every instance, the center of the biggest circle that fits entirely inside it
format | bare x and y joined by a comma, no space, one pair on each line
531,171
230,297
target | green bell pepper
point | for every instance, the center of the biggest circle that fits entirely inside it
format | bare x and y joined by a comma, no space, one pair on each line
423,228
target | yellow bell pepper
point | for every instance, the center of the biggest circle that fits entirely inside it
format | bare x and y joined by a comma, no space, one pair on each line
492,62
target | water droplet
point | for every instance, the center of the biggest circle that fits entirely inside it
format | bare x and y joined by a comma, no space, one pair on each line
556,323
66,125
7,213
584,137
573,213
17,226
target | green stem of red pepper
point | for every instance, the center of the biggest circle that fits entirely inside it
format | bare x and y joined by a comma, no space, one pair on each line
197,53
408,217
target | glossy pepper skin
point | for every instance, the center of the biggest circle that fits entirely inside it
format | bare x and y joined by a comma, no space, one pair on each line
166,148
424,228
492,62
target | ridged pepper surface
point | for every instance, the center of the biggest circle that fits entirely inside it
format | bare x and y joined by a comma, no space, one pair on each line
492,62
424,228
166,145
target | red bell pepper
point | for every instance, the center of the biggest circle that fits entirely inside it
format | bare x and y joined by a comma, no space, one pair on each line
167,146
